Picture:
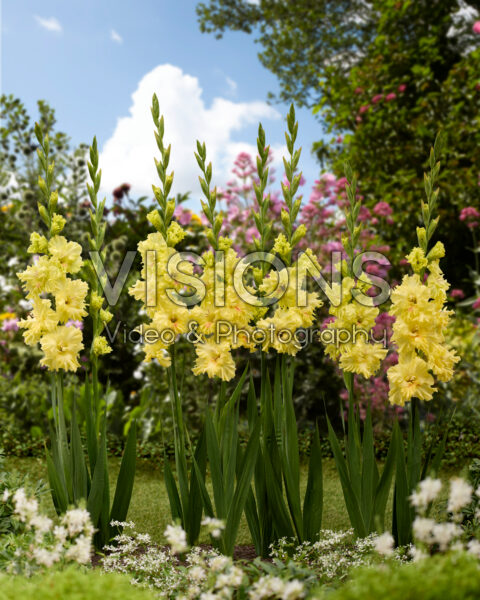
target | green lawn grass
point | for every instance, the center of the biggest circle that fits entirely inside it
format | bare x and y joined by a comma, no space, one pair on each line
149,508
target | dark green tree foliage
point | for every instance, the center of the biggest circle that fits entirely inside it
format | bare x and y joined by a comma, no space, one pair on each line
384,75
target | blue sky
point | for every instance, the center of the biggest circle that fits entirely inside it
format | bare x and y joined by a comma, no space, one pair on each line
87,59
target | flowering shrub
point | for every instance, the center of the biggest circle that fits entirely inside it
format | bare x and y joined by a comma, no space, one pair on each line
201,573
38,542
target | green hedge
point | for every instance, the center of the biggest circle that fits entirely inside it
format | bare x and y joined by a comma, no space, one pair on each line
463,444
451,577
71,584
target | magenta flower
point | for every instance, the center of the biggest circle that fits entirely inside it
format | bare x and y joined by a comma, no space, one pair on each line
10,325
358,90
402,87
476,27
390,96
471,216
476,304
457,294
377,98
72,323
382,209
364,108
183,215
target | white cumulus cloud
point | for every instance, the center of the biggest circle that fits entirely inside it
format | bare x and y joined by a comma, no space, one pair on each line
50,24
128,155
116,37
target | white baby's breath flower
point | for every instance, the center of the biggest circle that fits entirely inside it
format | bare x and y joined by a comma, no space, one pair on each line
384,544
293,589
44,557
176,538
6,495
422,529
41,523
417,554
219,563
427,491
473,547
209,596
266,587
80,551
444,533
25,508
460,495
60,534
196,573
77,520
214,526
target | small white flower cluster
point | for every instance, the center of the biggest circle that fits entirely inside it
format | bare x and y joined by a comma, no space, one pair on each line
204,573
335,553
270,586
431,536
176,538
213,526
427,492
42,543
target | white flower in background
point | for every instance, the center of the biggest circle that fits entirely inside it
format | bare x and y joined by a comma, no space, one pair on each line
44,557
42,525
25,305
444,533
60,534
219,563
81,550
196,573
6,495
266,587
417,554
25,508
427,492
77,520
473,547
293,589
384,544
232,578
214,526
422,529
209,596
460,495
176,538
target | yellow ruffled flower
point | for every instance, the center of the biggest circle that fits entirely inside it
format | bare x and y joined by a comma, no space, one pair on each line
419,333
96,301
410,379
281,246
70,300
61,348
68,254
43,276
175,234
215,360
38,244
417,260
100,345
346,338
58,223
157,351
362,357
42,320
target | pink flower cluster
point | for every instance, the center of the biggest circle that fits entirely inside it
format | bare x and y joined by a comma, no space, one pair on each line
471,216
10,324
376,99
